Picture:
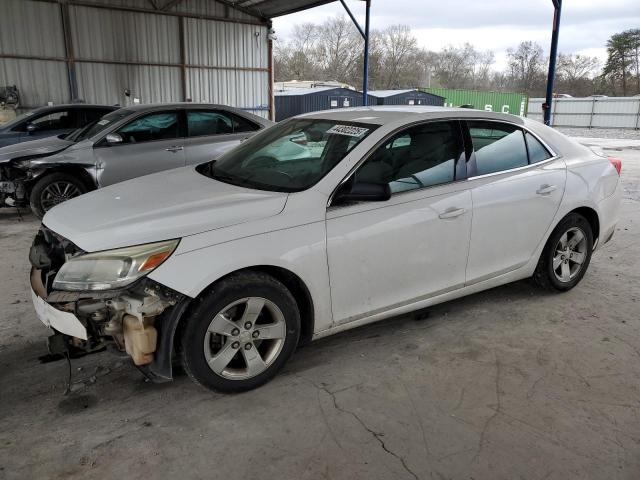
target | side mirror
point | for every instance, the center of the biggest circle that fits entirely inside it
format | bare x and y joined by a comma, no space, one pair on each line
113,139
363,192
31,128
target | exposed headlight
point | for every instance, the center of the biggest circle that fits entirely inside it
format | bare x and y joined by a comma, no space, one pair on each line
112,269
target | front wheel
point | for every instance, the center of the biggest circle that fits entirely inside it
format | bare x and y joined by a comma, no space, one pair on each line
566,257
241,333
52,190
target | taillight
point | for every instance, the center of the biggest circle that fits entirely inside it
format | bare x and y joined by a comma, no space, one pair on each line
617,163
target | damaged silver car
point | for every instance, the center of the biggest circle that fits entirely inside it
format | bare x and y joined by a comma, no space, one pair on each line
124,144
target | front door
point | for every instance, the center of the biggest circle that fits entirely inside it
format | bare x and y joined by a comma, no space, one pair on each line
50,125
516,187
390,254
150,143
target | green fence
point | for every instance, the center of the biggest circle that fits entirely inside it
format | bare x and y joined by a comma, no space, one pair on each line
514,103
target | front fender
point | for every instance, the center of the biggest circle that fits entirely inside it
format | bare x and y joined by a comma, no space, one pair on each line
301,250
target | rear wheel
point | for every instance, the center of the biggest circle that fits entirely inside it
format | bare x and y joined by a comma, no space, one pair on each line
567,254
53,189
241,333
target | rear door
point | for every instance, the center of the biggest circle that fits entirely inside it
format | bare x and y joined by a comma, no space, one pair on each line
150,143
516,187
211,132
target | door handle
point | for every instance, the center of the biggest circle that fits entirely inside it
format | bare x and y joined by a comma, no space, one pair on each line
452,213
175,148
545,189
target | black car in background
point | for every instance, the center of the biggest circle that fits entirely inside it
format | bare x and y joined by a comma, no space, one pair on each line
49,121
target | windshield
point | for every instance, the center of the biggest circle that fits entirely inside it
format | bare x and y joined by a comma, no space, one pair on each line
288,157
96,127
76,134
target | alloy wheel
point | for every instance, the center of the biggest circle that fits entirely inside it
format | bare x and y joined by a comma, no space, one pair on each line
58,192
570,254
245,338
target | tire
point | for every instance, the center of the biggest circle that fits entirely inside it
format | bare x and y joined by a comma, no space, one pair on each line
567,272
52,190
216,333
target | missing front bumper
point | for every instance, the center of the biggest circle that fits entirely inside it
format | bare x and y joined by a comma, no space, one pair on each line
141,320
63,322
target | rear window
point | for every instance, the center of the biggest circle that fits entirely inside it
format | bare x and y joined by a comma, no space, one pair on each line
537,151
497,146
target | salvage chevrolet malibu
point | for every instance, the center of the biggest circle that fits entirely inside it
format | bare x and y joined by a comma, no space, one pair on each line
229,265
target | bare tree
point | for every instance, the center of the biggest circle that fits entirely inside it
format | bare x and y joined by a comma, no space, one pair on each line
295,59
338,48
452,67
398,57
526,67
575,74
332,50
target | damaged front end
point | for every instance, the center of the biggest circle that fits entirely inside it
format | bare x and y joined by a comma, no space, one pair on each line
14,178
138,318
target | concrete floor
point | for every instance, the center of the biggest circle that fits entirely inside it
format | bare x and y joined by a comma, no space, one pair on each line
509,383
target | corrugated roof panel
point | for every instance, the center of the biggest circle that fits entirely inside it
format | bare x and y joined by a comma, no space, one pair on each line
307,91
211,8
388,93
276,8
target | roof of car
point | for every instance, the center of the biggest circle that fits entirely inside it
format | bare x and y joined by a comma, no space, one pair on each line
383,115
74,105
153,106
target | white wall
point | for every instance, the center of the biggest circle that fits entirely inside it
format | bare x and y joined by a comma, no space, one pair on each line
606,112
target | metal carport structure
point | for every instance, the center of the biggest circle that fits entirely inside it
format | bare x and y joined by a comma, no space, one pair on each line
187,71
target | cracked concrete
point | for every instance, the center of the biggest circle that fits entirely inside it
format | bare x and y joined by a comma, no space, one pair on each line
509,383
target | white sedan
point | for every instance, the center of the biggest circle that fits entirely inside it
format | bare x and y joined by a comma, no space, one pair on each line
232,264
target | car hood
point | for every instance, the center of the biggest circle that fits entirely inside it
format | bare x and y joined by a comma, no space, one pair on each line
166,205
41,147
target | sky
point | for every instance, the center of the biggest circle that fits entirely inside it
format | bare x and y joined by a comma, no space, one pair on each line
496,25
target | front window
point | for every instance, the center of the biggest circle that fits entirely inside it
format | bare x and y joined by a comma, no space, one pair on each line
60,120
289,157
420,156
18,124
151,127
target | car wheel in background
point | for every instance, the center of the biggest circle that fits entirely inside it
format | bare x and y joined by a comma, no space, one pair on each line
240,333
53,189
566,257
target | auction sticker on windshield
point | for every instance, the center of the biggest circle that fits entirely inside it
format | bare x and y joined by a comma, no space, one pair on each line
348,130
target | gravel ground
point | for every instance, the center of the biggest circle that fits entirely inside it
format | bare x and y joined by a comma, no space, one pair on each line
511,383
601,132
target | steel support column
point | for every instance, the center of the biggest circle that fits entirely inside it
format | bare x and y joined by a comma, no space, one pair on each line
365,36
69,52
183,58
553,54
365,73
